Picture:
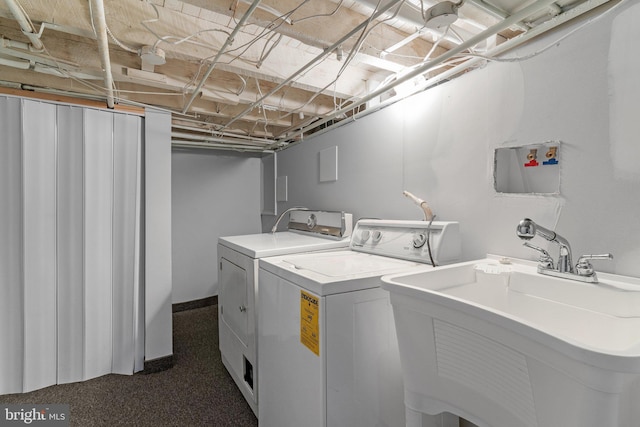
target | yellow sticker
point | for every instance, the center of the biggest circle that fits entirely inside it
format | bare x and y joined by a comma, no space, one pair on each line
309,321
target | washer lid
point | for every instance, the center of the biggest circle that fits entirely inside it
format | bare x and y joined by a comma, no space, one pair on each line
335,271
280,243
343,264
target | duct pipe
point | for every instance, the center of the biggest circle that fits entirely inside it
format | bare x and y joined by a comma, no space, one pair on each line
98,18
327,51
516,17
228,42
25,24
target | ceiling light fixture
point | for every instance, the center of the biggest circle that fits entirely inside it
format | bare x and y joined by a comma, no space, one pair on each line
441,15
151,56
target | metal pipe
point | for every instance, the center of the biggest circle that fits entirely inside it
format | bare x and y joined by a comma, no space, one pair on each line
25,24
100,21
312,63
222,140
23,65
221,135
177,143
516,17
227,42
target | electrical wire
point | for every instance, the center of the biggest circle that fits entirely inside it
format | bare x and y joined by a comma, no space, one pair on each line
435,45
320,15
271,27
179,40
94,87
433,263
264,54
264,112
352,52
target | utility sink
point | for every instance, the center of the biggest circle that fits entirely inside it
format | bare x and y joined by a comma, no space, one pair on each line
496,342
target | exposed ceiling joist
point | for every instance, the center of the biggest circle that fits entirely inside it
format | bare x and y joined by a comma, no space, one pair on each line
293,66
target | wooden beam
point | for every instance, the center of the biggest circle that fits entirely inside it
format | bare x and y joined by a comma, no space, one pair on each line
70,100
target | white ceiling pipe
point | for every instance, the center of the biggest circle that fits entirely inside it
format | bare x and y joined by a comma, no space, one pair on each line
194,137
23,65
224,135
506,23
196,91
178,143
25,24
98,17
13,44
518,40
509,44
312,63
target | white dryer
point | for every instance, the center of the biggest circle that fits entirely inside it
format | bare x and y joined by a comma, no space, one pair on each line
238,284
328,350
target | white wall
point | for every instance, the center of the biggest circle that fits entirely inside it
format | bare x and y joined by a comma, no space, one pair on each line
214,194
439,145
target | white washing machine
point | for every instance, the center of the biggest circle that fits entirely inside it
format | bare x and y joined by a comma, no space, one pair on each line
238,284
328,350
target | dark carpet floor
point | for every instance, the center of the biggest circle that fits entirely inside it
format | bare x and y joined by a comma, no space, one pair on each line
197,391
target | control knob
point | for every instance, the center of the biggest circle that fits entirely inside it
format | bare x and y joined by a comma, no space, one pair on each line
419,240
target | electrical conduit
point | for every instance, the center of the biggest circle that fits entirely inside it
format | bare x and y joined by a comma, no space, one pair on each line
99,20
25,24
228,42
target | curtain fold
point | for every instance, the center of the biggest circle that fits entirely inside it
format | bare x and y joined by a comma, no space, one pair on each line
69,243
11,249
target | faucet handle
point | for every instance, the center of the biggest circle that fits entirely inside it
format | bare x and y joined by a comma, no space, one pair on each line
584,267
545,260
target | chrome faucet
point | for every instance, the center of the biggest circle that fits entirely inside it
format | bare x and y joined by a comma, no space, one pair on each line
527,230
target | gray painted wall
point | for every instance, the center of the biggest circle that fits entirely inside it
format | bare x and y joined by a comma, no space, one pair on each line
214,194
439,145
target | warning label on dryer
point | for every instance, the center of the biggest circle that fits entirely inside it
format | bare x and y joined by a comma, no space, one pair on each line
310,321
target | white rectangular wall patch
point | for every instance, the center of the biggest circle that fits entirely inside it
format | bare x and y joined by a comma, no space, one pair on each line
329,164
281,189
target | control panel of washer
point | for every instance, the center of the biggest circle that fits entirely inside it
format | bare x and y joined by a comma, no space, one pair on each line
418,241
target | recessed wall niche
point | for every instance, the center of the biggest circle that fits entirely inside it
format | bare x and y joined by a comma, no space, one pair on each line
527,169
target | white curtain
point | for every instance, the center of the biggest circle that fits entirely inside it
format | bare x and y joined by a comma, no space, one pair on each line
69,243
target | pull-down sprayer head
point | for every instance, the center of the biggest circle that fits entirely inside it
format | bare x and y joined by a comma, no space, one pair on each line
527,230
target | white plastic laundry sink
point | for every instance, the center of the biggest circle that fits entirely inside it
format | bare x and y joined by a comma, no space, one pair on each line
502,345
